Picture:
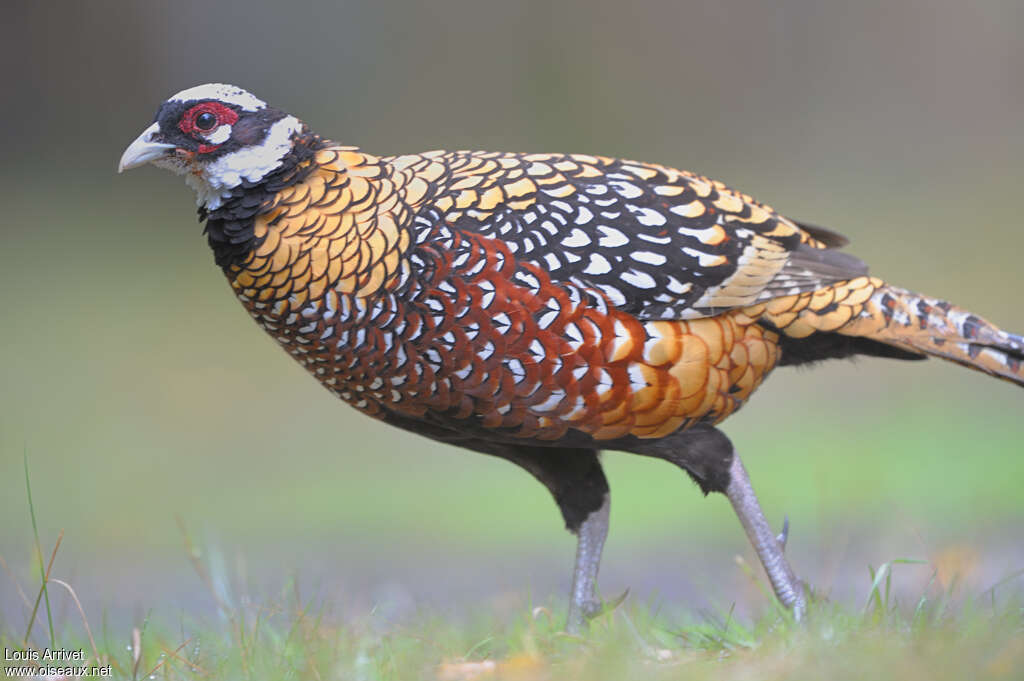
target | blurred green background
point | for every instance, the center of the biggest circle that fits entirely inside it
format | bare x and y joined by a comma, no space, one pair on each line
141,390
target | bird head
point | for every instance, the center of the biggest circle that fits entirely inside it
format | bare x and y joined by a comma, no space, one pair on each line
218,136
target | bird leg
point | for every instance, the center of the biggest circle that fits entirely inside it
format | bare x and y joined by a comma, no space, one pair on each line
769,548
708,456
583,603
575,479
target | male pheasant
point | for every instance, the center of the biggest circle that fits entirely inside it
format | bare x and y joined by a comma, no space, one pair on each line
539,307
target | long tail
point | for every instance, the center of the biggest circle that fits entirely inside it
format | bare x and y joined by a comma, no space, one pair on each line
869,308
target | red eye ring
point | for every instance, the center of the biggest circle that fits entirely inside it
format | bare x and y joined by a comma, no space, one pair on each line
214,114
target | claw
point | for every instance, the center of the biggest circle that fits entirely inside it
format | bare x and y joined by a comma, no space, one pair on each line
593,609
784,535
614,603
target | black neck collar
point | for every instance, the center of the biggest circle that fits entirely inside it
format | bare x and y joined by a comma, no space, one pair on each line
229,227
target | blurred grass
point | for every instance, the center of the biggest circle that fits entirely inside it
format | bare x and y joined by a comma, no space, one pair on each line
292,636
943,632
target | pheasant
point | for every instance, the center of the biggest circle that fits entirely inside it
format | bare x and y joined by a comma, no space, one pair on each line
540,308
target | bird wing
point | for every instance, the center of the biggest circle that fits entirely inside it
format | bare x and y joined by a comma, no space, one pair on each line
660,243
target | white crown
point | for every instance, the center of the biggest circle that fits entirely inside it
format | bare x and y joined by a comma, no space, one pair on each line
229,94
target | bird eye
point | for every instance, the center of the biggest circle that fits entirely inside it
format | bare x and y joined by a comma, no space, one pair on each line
205,121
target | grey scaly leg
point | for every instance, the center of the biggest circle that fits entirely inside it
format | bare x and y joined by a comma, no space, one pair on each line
574,477
583,603
708,456
769,548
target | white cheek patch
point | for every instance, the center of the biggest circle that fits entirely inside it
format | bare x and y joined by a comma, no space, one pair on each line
219,136
229,94
251,164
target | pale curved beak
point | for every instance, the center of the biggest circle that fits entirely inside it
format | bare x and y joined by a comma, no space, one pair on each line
143,149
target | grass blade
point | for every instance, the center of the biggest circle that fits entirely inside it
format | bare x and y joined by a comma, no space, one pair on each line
884,576
39,552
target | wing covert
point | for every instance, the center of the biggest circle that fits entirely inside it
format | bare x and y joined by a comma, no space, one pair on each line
659,243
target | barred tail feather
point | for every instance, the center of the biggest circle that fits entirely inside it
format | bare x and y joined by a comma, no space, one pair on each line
910,321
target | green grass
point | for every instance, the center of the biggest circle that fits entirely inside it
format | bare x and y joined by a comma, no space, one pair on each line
940,635
943,633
